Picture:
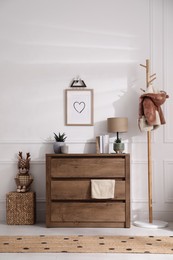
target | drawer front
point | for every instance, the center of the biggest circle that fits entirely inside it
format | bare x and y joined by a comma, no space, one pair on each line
87,167
80,190
87,212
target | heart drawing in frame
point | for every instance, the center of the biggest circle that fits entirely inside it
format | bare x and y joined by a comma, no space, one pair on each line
79,106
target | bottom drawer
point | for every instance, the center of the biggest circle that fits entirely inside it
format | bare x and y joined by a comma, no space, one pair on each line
87,212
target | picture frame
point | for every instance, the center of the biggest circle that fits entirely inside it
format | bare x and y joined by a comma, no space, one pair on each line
79,107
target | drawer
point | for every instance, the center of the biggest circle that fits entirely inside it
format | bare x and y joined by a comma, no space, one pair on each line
80,190
87,167
87,212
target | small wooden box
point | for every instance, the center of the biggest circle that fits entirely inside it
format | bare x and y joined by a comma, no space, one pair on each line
20,208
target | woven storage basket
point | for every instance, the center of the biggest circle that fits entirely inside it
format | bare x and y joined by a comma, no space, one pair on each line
20,208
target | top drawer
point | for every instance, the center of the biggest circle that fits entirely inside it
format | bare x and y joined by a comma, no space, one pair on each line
87,167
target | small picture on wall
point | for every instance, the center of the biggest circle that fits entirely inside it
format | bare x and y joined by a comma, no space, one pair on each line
79,107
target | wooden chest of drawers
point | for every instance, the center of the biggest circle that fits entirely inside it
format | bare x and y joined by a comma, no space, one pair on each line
68,190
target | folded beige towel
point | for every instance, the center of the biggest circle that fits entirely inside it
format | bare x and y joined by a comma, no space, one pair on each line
102,189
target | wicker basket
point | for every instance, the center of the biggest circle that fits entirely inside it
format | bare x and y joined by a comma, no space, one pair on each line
20,208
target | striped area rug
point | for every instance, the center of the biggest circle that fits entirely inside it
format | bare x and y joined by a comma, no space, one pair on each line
87,244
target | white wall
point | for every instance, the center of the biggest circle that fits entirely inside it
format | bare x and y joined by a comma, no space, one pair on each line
44,44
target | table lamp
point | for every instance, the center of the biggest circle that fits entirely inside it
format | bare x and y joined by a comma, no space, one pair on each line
117,125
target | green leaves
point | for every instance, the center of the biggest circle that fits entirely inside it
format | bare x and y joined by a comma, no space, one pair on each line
60,137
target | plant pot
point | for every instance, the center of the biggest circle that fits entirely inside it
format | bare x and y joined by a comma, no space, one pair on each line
64,148
118,147
57,147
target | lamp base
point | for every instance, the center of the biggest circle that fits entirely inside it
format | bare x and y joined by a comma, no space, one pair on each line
118,147
154,224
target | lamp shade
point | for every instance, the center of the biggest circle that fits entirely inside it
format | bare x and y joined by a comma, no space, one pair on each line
117,124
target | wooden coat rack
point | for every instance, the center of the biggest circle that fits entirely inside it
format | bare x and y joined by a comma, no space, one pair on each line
149,80
151,224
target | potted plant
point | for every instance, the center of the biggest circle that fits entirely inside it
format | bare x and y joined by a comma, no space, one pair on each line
118,145
59,142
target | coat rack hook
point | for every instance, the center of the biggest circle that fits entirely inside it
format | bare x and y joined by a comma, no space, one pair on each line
153,75
151,80
143,65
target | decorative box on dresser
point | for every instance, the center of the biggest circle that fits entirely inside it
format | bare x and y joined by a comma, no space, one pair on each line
68,190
